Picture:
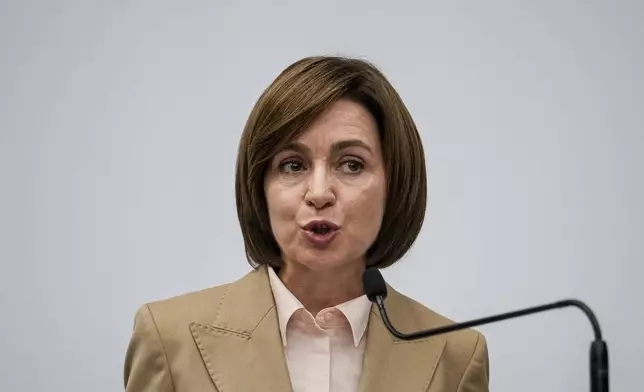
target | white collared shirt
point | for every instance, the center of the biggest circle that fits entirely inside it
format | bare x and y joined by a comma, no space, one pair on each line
323,353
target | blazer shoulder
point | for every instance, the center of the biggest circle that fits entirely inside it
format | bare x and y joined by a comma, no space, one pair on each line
461,344
188,307
215,305
465,352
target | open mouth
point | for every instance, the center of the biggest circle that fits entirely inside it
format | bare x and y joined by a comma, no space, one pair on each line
321,230
321,233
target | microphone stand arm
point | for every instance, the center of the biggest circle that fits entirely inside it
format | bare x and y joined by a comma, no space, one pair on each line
598,349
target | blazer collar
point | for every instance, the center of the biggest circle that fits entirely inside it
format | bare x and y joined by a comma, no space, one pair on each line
242,346
391,364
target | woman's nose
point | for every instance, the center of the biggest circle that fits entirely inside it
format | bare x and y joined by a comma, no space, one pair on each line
320,191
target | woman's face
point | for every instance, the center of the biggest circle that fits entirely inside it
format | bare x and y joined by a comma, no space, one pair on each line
326,190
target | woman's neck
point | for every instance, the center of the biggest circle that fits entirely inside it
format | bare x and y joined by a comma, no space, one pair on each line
320,289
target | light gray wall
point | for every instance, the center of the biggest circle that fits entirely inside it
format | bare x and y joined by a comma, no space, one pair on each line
119,123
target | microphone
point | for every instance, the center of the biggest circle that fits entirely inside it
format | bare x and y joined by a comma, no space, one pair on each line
376,290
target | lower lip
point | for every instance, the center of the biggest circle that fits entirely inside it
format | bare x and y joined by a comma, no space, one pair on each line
320,239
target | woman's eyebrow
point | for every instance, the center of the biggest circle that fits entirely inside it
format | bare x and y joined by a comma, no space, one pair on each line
335,147
344,144
297,147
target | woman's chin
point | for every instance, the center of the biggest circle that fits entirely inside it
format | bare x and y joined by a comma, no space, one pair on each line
320,260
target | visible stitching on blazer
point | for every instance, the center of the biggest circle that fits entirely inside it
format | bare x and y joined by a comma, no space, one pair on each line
221,302
224,331
206,358
478,340
165,352
420,341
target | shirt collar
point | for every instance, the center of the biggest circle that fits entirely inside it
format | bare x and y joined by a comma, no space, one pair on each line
285,302
356,310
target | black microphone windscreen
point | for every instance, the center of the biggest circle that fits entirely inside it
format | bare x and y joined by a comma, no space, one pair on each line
374,284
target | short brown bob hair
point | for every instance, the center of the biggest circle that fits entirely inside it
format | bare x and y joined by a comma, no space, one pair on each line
299,94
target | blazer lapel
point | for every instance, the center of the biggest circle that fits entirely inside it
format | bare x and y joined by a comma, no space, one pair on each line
391,364
242,348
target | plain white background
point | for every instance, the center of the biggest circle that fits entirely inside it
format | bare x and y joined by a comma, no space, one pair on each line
119,124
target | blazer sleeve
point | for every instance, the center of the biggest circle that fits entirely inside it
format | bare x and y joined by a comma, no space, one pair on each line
146,363
477,374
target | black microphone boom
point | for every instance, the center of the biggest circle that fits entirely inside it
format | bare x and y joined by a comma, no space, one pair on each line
376,290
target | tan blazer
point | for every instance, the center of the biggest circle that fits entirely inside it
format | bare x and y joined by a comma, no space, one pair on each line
226,339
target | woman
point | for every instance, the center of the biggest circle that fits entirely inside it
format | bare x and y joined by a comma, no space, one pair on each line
330,179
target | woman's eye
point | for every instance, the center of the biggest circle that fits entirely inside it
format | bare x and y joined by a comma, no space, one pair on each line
291,166
352,166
